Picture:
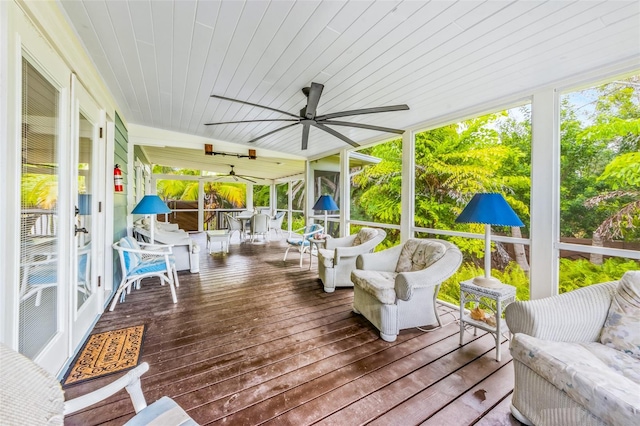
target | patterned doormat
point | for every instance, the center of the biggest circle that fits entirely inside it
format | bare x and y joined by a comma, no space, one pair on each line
107,353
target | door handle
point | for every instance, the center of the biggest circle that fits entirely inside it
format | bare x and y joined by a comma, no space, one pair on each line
78,230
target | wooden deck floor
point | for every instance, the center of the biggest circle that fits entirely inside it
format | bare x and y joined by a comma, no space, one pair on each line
253,340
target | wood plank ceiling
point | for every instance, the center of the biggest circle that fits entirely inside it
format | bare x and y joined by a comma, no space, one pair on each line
163,59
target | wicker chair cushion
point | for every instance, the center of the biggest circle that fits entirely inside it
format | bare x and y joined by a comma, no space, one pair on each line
379,284
364,235
417,255
131,260
601,379
621,330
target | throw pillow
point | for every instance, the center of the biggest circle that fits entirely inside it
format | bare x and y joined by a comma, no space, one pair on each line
621,330
364,235
419,254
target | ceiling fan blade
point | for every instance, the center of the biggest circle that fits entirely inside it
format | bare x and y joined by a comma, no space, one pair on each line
364,126
305,136
247,179
249,121
272,132
312,100
364,111
255,105
335,133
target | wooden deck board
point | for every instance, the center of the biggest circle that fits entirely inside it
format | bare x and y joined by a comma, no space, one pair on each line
255,340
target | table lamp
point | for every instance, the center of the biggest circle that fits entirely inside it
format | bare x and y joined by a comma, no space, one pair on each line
488,209
151,205
326,203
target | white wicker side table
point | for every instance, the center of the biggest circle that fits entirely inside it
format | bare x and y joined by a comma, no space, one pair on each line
500,296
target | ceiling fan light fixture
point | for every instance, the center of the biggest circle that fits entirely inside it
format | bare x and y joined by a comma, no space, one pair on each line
308,117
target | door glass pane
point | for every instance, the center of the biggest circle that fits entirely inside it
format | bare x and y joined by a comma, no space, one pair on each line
39,220
83,218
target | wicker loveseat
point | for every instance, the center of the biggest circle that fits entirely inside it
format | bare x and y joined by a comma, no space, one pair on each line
577,356
169,233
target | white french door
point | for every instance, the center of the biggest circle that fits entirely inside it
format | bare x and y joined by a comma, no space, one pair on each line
57,159
45,216
86,295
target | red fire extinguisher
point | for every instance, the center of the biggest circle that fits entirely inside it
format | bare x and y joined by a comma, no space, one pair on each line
117,179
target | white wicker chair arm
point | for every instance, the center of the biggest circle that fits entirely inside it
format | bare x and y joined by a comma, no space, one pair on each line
576,316
332,243
366,247
130,381
385,260
156,247
146,252
167,226
435,274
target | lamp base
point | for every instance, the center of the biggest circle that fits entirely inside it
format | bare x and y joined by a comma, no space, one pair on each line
489,282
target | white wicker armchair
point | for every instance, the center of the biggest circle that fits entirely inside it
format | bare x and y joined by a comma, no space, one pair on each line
338,257
397,288
32,396
557,354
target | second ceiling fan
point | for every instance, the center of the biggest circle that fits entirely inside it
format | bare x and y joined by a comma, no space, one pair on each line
308,117
235,176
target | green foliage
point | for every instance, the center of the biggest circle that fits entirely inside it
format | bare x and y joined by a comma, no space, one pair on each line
599,156
39,190
261,195
623,171
581,273
574,274
512,275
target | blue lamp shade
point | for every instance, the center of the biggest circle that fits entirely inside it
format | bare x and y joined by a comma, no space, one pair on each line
325,202
490,209
151,204
84,204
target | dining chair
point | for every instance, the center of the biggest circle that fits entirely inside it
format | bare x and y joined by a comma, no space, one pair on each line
259,225
275,223
234,225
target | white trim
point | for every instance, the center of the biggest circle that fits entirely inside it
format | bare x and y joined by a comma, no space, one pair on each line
607,251
374,224
494,237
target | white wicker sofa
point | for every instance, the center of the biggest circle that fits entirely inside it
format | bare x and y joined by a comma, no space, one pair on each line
564,375
168,233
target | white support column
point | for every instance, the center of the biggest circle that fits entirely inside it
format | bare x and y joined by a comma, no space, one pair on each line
289,205
309,185
249,196
273,198
200,206
408,185
344,188
545,194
